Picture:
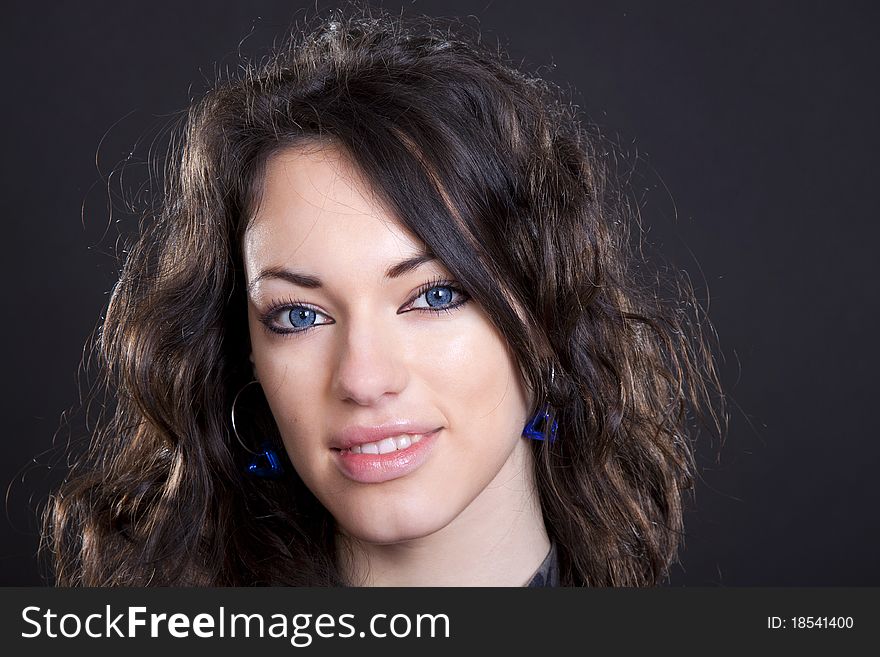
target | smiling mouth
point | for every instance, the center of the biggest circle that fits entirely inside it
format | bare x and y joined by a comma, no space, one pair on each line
384,446
392,457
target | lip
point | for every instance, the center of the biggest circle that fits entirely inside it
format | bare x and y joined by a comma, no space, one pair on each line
376,468
360,434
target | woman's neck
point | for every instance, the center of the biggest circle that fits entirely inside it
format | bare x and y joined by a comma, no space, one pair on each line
498,540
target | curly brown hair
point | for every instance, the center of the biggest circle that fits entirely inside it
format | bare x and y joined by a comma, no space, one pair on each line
494,171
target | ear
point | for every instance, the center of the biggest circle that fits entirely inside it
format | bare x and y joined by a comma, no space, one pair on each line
253,366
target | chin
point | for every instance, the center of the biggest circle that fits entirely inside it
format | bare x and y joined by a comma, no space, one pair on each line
394,524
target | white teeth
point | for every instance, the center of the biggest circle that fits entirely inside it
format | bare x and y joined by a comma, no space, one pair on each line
385,446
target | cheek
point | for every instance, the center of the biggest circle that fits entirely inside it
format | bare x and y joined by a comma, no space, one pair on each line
291,380
475,377
479,389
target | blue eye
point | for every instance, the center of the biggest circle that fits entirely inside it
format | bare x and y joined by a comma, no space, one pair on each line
301,317
293,318
440,297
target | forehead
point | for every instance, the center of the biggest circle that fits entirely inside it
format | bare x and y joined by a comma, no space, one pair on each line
318,210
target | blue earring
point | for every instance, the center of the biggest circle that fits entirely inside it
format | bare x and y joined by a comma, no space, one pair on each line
266,463
538,424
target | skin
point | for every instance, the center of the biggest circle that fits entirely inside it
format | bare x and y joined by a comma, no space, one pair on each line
469,515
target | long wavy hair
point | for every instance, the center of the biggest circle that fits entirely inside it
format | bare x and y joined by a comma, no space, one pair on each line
494,171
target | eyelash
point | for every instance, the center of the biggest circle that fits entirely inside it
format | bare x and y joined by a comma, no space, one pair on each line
277,305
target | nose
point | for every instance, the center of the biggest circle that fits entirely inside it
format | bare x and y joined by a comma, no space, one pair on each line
369,366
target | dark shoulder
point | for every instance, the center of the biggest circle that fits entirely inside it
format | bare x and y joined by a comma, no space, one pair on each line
548,572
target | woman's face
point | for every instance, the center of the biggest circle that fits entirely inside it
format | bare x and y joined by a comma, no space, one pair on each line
355,349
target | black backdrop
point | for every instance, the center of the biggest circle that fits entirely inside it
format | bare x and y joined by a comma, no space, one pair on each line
749,130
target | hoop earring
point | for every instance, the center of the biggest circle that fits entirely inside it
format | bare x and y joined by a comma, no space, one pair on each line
266,463
540,425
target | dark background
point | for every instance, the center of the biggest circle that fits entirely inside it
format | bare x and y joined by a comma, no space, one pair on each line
748,132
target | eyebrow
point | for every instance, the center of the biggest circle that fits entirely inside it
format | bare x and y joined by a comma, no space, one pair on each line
311,282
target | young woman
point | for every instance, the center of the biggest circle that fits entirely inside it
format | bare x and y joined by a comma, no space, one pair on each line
385,331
